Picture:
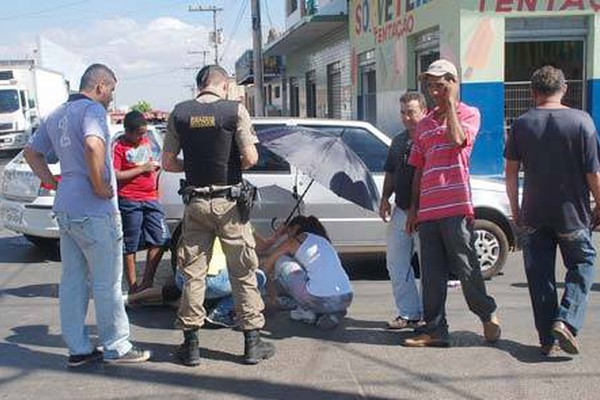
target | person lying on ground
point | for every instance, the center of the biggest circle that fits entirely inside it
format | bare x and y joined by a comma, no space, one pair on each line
218,296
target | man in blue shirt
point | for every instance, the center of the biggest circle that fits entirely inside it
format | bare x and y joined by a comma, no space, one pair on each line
91,237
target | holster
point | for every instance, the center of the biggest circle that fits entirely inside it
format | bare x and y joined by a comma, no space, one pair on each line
186,192
245,195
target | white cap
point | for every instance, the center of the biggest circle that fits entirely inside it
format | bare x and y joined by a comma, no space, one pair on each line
440,68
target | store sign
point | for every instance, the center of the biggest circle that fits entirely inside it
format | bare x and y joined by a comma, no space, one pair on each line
385,19
507,6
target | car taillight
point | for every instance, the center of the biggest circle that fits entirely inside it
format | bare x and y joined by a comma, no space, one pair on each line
47,190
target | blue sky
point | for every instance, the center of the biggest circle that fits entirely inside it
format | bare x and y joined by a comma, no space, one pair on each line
146,42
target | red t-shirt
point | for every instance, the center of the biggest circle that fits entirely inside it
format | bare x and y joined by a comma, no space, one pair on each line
445,188
126,156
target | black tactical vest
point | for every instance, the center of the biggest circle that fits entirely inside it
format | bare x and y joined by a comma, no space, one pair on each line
207,136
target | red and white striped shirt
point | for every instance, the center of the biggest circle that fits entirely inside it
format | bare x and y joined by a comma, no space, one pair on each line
445,190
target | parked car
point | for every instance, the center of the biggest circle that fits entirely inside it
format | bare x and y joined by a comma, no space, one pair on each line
26,206
351,228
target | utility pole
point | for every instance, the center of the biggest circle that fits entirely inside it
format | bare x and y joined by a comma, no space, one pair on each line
216,33
259,101
203,52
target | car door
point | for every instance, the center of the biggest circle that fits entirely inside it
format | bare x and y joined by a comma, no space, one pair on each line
351,227
274,179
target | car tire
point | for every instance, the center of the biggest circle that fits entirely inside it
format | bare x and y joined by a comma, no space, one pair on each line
51,247
491,245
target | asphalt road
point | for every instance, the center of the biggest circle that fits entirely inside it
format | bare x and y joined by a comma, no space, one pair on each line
358,360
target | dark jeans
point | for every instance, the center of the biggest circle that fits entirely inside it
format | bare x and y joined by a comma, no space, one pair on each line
539,254
448,245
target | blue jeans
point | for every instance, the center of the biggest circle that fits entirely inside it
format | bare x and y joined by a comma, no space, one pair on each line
400,247
219,287
92,256
448,245
539,254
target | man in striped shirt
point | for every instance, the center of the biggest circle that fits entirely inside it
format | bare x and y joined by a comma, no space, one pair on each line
443,208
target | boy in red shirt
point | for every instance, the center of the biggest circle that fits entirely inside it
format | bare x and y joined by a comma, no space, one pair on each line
144,224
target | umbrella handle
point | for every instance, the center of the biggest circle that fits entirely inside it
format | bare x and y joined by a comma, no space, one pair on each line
289,217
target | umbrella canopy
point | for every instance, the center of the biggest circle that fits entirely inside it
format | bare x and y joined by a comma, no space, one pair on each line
326,159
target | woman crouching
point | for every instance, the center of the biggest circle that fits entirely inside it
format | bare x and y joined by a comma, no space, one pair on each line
307,268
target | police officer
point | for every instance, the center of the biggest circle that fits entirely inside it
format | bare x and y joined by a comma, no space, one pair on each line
218,142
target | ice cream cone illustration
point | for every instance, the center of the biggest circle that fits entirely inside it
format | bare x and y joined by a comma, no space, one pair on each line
480,47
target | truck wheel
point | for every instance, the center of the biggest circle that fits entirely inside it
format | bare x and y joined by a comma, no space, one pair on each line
491,245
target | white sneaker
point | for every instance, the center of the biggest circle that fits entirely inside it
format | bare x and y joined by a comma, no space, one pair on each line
303,315
453,283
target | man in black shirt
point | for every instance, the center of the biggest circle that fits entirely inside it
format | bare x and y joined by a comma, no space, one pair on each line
400,244
557,148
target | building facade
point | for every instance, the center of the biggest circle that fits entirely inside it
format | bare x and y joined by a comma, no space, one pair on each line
316,79
495,43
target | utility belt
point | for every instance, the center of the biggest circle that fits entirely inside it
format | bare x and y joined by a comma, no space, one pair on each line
244,194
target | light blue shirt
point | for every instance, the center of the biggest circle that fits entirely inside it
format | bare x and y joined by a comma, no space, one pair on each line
63,132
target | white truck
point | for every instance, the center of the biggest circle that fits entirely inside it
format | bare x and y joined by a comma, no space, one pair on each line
28,92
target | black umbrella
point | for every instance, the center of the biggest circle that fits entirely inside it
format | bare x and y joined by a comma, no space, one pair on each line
326,159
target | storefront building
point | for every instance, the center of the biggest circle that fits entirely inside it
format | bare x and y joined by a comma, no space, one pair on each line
496,44
315,79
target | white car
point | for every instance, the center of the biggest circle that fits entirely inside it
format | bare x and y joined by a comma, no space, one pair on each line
25,207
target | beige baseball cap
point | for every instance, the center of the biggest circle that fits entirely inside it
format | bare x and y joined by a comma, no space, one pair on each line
440,68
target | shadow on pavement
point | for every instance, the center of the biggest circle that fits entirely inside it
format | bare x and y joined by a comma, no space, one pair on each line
524,353
27,362
559,285
40,290
350,330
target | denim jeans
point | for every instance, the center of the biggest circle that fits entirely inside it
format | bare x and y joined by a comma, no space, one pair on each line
400,247
218,287
448,245
292,279
92,257
539,255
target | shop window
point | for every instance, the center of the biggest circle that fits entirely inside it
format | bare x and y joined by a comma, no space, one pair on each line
427,49
294,98
311,94
334,90
277,92
367,87
534,42
292,6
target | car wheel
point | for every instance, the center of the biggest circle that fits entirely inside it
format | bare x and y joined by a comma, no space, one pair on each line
491,245
175,243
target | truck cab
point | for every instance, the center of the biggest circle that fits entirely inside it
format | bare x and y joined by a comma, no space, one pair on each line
18,115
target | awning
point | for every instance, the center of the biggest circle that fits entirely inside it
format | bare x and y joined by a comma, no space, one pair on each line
306,32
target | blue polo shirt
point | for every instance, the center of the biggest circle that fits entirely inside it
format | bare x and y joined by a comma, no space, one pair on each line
63,132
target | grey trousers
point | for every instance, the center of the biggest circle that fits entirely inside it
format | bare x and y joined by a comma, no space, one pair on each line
448,245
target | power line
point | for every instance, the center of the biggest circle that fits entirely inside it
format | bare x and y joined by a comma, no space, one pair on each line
268,14
216,32
44,11
236,25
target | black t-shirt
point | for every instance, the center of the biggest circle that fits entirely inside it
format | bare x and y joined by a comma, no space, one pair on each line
557,148
397,164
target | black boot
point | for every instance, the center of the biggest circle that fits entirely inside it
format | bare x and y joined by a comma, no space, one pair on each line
189,352
255,349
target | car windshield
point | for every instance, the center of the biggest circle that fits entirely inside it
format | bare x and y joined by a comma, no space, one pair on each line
9,101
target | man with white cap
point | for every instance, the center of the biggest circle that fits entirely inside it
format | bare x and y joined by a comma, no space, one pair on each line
443,208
